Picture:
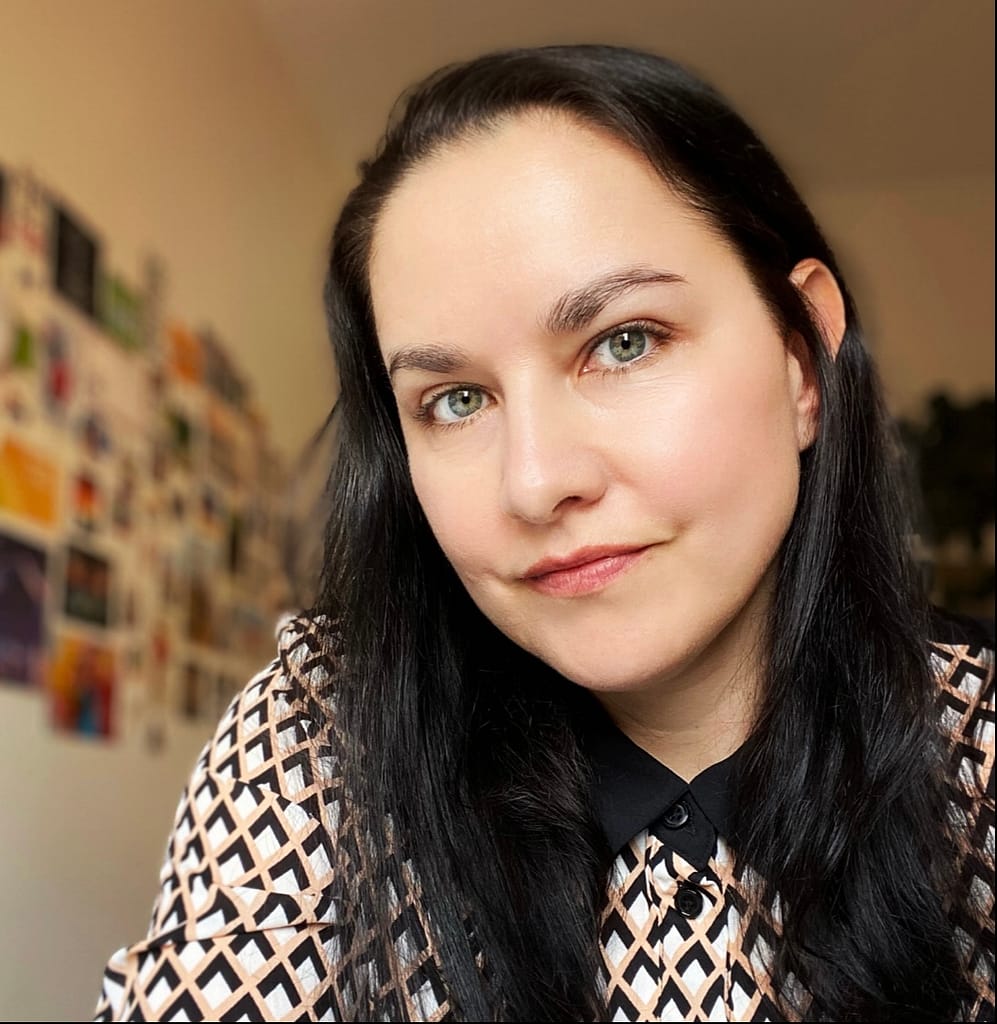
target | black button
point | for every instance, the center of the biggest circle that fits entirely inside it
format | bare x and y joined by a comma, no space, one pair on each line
689,901
676,815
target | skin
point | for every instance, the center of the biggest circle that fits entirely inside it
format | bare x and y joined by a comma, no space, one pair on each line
532,436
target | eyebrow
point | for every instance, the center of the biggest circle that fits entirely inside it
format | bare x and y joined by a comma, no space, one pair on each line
430,358
571,312
577,309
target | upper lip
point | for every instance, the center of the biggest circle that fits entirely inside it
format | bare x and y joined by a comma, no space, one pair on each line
583,556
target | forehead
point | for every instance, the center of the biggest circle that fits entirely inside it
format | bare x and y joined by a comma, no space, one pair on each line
533,206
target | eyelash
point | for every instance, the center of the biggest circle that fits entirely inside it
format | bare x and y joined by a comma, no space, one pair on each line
655,331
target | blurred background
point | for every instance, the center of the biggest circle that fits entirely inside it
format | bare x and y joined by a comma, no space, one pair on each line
169,174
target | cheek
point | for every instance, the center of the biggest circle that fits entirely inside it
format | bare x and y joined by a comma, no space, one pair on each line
728,453
446,496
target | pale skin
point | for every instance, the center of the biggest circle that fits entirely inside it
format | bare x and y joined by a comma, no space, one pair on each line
585,373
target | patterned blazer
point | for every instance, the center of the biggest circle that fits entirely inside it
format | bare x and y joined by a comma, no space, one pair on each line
245,926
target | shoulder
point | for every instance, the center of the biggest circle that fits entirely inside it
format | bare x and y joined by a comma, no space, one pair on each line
246,882
962,657
962,660
256,802
274,726
268,769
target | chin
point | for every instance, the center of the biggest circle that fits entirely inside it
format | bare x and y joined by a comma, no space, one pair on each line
615,668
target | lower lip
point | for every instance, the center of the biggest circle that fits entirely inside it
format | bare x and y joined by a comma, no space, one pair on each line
587,578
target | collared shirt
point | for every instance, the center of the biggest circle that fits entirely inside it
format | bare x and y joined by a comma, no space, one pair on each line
635,791
244,927
667,933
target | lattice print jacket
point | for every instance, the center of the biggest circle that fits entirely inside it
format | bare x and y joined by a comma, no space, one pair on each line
245,926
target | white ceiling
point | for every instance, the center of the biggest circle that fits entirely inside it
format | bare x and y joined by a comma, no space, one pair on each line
844,91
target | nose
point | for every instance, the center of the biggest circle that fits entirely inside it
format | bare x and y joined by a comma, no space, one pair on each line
551,462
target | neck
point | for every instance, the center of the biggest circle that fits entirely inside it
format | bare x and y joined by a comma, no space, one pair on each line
702,712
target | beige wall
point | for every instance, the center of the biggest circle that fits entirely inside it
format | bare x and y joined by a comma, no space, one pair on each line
919,258
169,128
179,134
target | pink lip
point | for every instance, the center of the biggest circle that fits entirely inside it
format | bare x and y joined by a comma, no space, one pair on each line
583,571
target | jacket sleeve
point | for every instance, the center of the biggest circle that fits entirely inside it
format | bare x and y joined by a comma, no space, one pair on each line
243,926
220,945
964,666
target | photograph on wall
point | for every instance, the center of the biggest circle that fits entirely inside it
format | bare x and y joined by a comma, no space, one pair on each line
124,494
172,579
181,437
28,482
220,374
202,605
201,611
18,390
18,348
130,615
93,433
27,229
212,510
152,670
57,371
235,544
23,590
76,256
82,683
87,595
87,502
185,358
115,383
222,449
199,693
121,312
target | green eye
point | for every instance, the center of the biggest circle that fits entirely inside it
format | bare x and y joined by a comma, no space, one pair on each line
625,346
458,404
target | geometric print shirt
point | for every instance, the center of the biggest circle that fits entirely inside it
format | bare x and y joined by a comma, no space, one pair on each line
243,927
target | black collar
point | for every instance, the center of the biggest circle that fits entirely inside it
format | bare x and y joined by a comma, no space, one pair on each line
632,789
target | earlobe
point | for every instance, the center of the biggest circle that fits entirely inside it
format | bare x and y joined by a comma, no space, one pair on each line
804,392
820,289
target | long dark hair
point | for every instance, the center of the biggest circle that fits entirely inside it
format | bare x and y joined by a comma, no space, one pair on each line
467,747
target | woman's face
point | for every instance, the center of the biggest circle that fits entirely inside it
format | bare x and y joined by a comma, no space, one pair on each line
602,420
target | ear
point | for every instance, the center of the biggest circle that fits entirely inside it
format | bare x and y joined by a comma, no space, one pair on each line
820,290
822,294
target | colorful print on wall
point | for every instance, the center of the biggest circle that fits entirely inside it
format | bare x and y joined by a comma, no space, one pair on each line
76,258
140,502
184,354
29,482
181,436
87,587
23,594
57,382
82,686
195,692
121,312
87,502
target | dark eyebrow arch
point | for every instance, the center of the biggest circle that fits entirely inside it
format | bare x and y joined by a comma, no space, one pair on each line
577,309
430,358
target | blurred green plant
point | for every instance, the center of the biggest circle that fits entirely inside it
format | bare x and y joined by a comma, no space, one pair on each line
951,452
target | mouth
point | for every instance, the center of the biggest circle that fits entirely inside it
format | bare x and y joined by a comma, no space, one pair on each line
584,571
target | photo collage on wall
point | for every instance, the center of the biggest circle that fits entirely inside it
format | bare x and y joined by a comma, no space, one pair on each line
140,501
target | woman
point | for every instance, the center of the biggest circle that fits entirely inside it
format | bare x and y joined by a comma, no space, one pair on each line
621,700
